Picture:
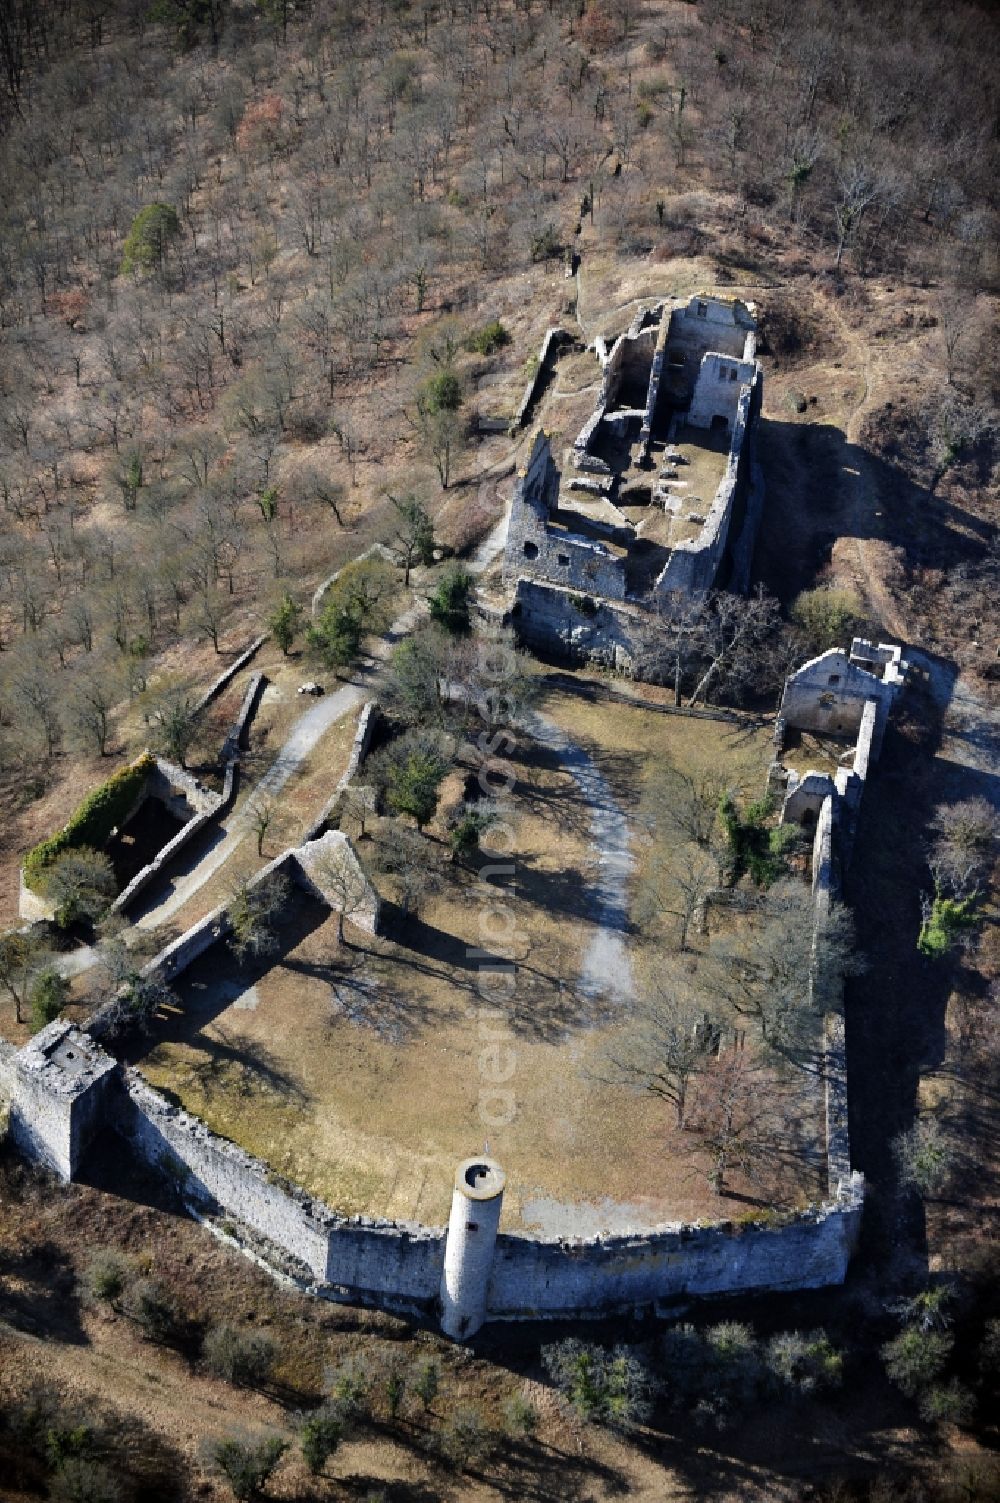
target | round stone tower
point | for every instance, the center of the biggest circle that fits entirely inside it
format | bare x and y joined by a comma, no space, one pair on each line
468,1255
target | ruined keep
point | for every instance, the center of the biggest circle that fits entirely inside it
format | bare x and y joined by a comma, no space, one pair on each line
665,495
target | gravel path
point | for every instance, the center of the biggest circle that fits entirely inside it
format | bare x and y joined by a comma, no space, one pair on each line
302,740
606,967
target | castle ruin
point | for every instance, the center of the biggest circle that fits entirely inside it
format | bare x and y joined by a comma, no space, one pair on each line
665,495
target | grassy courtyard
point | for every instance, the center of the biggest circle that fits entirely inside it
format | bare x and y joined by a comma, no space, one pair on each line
364,1071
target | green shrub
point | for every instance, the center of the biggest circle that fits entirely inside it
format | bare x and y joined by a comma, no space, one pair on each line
585,604
931,1309
154,1312
754,847
947,1404
441,393
319,1438
924,1156
610,1386
395,1388
520,1417
93,821
80,1480
348,1384
409,772
356,602
427,1382
717,1374
915,1358
948,919
247,1466
806,1362
450,602
48,997
146,242
284,622
107,1275
829,618
490,338
79,884
243,1357
336,636
465,1437
464,835
65,1443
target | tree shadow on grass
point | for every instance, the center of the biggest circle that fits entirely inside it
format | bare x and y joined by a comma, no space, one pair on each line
568,891
38,1293
545,1473
539,1003
144,1464
232,1062
560,802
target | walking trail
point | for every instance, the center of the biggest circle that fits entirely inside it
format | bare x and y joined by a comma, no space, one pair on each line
606,969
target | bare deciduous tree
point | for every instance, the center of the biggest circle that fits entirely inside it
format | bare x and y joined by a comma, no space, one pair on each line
668,1044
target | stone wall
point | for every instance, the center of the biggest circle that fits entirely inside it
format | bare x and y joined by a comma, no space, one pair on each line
829,694
697,565
368,724
182,794
330,868
377,550
58,1090
578,626
535,550
537,1279
741,546
629,363
8,1068
367,1259
705,324
718,388
805,796
399,1265
177,788
554,340
228,674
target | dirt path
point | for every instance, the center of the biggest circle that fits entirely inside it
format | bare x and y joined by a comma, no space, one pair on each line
971,730
970,736
857,551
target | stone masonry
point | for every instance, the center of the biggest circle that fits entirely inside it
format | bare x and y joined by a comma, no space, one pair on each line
672,494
